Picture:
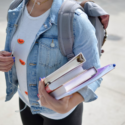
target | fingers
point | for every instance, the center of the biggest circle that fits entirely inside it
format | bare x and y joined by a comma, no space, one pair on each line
42,90
46,99
6,68
83,3
6,59
41,93
6,63
42,100
5,53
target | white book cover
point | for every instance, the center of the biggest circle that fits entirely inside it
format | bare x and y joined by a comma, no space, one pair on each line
73,63
66,77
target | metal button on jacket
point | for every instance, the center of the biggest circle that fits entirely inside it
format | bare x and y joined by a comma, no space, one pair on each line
52,44
50,23
15,25
45,25
32,64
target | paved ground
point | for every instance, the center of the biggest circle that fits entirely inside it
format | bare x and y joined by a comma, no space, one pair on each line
109,109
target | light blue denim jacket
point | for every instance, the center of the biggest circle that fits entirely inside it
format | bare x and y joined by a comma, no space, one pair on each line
47,59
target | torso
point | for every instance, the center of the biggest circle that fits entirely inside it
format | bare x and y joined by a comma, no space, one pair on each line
27,30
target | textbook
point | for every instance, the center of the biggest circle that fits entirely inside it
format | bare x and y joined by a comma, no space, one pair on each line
69,85
63,79
68,71
65,90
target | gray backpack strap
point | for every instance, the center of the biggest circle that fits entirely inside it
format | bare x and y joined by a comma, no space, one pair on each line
65,27
13,5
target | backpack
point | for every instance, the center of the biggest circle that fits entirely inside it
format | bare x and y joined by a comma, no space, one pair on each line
97,16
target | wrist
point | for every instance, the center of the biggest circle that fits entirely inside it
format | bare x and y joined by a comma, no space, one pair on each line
75,100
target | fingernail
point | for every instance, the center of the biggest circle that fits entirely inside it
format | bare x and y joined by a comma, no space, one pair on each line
14,58
39,79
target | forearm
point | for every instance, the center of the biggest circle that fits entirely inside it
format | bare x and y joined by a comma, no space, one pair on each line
75,100
93,86
88,92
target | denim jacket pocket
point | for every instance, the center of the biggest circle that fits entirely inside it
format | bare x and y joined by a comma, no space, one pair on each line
49,53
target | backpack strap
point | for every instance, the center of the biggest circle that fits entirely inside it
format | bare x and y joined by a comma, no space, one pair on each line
13,5
65,27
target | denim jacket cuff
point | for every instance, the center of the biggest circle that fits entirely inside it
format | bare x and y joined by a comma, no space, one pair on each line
88,94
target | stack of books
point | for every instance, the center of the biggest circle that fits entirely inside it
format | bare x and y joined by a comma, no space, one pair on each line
71,77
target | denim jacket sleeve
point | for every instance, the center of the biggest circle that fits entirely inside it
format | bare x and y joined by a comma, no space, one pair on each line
86,42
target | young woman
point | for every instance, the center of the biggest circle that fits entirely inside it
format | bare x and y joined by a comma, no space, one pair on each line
32,37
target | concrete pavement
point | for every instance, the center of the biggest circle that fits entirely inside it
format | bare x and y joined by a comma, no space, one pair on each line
109,109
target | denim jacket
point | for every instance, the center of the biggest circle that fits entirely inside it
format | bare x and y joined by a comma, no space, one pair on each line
44,59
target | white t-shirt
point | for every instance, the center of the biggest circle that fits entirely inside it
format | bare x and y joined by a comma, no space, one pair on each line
27,30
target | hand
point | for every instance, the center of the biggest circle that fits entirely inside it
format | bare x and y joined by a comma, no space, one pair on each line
84,2
6,61
61,106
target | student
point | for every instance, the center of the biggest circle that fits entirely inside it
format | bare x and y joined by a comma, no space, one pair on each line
32,37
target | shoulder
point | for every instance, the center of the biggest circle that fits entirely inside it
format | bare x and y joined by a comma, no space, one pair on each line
81,21
13,11
15,4
80,15
84,31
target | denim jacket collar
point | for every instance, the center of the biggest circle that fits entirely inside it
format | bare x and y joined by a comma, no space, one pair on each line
52,18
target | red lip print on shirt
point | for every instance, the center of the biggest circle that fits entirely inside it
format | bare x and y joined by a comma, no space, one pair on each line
20,41
26,93
22,62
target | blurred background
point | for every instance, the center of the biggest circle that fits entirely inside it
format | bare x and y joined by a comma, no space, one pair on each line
109,108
